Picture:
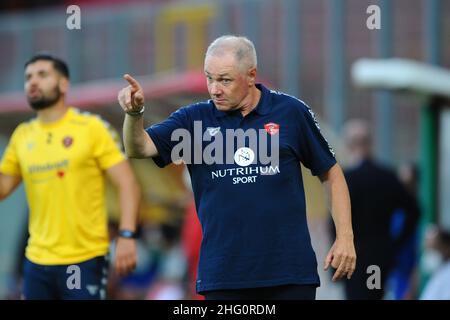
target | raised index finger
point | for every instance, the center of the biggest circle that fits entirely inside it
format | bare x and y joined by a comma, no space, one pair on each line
132,81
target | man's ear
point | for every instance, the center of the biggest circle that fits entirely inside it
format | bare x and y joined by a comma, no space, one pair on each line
251,76
63,85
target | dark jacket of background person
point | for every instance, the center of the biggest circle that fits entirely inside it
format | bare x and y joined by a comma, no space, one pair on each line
376,193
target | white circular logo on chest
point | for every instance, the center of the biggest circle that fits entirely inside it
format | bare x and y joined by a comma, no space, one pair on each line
244,156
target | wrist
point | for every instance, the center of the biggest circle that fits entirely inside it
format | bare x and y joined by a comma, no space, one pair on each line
344,235
128,234
136,113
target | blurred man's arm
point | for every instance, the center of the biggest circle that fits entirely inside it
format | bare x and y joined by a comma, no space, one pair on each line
8,184
342,255
408,202
137,142
123,178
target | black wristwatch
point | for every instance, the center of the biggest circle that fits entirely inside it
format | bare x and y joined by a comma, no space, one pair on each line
124,233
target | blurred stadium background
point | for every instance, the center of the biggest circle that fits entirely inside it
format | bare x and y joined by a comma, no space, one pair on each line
305,48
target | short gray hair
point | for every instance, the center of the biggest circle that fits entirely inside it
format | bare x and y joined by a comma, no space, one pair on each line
242,48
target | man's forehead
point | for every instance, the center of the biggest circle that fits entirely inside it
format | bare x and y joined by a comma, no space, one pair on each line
219,72
218,66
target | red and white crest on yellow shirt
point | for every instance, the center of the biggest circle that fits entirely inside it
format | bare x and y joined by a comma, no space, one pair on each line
67,141
272,128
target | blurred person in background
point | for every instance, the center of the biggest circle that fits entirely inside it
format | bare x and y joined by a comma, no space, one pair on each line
62,156
376,193
256,243
172,269
437,261
403,278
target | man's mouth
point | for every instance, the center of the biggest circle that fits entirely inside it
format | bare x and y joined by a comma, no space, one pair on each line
34,93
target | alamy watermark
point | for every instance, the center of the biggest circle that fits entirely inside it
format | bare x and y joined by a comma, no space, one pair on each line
74,280
74,20
374,280
374,20
211,146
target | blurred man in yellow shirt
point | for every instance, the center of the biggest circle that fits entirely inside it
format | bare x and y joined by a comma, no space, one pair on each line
62,156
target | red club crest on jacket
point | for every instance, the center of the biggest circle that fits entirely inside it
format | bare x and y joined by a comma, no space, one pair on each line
272,128
67,141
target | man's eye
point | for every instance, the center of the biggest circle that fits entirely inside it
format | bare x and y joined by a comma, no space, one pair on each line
226,80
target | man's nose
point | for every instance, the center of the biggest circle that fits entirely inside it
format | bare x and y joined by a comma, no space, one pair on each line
215,89
32,82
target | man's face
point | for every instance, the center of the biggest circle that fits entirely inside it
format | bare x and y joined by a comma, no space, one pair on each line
43,84
227,85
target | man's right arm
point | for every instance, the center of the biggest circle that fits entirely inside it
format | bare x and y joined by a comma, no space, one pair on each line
138,143
8,184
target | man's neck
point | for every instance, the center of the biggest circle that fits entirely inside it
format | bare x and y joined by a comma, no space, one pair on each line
52,113
252,102
356,158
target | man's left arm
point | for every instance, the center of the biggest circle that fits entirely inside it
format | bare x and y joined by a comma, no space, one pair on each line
342,255
123,178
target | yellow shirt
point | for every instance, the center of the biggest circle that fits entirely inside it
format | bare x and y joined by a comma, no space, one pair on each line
62,166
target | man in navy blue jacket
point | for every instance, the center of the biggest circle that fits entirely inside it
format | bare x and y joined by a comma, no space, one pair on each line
249,195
